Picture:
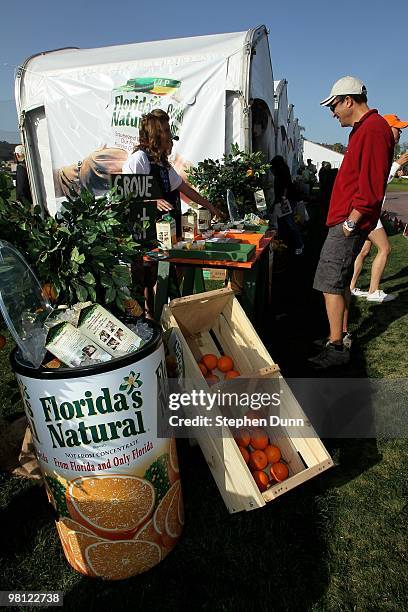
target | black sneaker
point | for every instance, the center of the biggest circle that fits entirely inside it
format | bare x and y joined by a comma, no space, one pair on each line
330,357
321,343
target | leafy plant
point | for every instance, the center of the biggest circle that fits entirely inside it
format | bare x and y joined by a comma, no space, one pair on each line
242,172
84,253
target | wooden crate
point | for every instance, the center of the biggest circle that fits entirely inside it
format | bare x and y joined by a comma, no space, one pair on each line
215,319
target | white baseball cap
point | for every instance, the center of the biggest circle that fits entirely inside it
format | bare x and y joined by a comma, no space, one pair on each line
19,150
345,86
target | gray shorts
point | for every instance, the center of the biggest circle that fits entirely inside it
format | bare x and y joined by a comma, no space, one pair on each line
335,268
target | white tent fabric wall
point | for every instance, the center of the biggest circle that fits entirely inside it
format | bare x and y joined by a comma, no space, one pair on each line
216,78
291,156
298,159
281,117
318,154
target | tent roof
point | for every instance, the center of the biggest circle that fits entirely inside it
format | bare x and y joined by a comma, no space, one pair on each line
30,90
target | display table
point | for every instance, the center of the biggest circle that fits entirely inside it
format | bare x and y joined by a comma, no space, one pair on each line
254,297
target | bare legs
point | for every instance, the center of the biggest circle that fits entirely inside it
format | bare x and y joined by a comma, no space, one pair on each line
379,238
358,264
336,306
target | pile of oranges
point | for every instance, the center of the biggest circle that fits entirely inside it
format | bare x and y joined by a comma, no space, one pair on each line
224,365
263,458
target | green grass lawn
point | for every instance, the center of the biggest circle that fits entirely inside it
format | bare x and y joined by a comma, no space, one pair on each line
337,543
398,185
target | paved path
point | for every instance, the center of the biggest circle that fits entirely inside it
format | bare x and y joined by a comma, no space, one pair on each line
397,202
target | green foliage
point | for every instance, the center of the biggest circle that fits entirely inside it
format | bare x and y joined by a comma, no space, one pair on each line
57,491
85,252
157,474
242,172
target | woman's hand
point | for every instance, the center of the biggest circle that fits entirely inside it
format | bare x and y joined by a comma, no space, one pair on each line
163,205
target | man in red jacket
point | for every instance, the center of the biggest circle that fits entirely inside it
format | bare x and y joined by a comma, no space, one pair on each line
354,209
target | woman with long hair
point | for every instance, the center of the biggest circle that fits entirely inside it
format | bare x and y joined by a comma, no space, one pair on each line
150,156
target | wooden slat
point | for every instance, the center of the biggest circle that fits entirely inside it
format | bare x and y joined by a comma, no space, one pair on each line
237,337
281,488
197,313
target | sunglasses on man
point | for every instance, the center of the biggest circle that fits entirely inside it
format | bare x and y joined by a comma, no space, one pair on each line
333,105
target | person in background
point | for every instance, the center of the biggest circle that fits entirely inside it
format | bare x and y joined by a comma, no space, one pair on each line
309,175
285,199
354,210
378,236
23,191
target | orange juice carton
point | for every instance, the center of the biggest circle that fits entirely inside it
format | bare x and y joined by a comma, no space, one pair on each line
100,326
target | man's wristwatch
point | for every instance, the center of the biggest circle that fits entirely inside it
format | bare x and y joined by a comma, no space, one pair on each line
349,225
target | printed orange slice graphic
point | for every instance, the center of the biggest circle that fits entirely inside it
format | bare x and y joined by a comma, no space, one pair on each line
148,533
63,534
172,523
112,506
78,543
68,524
173,462
159,517
122,559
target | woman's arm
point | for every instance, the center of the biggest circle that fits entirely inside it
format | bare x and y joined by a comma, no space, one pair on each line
196,197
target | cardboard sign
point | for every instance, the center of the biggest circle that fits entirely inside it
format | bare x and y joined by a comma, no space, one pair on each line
142,217
140,186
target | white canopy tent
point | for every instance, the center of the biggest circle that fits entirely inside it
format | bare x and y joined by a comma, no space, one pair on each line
281,117
72,102
318,154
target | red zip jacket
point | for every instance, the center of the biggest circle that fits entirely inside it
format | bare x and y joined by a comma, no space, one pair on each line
362,178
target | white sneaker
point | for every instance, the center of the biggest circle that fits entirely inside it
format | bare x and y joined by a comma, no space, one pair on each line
359,293
380,296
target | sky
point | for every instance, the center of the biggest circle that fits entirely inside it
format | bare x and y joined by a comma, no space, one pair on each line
312,44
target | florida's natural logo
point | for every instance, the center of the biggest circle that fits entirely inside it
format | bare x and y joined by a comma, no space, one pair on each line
79,413
159,86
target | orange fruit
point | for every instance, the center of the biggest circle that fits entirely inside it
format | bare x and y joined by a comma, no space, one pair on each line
258,460
261,479
120,560
90,502
212,379
2,341
259,439
231,374
203,369
48,291
279,471
210,361
243,437
225,364
272,453
244,453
